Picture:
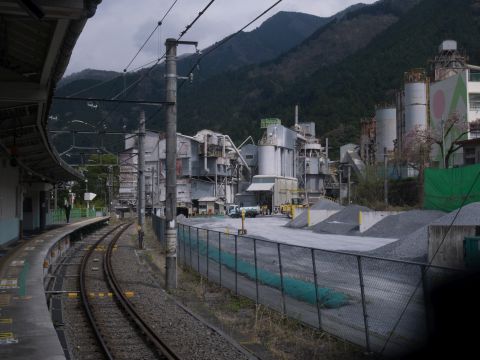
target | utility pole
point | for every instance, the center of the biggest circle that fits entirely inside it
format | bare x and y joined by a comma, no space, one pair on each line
349,171
443,142
171,161
340,171
385,175
141,179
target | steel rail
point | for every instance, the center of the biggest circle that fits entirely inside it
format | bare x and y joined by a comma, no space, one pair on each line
129,308
83,291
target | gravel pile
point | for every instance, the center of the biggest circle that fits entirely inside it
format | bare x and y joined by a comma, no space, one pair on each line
323,204
415,245
469,215
342,223
401,225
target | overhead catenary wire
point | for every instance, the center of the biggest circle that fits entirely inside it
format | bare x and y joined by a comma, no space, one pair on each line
429,265
131,61
156,62
150,36
188,27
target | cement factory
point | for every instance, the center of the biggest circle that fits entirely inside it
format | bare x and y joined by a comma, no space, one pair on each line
427,105
285,165
292,165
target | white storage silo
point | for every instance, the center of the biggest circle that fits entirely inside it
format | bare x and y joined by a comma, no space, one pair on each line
415,106
266,160
386,128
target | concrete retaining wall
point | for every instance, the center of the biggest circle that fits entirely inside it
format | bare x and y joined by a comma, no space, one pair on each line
451,250
369,218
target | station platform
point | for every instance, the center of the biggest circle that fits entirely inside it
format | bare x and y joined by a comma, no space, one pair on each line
26,328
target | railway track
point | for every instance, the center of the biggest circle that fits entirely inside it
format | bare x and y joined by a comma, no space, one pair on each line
93,315
119,329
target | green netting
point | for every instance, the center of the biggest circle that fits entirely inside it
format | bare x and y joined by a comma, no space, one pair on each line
295,288
446,189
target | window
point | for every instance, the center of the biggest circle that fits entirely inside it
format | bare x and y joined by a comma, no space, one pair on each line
474,101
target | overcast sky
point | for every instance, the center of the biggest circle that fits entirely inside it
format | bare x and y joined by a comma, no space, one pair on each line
112,37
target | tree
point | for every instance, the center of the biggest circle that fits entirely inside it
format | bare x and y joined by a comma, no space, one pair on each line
447,136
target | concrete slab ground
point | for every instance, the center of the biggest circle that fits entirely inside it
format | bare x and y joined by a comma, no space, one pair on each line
273,228
26,328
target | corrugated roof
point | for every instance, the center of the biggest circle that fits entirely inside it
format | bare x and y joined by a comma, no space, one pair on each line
261,187
33,56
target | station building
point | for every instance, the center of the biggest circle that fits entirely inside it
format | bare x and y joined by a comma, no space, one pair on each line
36,43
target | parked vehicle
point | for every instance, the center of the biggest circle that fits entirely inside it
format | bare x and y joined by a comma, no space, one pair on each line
235,211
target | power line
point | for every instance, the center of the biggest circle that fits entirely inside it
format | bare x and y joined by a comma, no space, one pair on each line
187,28
150,36
134,85
228,38
429,265
137,68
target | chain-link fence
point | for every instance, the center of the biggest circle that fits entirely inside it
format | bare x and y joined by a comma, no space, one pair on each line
358,298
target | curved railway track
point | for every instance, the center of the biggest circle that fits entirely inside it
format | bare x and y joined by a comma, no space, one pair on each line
119,329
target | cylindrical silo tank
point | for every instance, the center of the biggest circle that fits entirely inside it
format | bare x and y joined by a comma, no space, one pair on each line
266,160
386,126
278,161
415,106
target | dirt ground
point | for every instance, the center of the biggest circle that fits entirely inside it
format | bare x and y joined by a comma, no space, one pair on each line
264,332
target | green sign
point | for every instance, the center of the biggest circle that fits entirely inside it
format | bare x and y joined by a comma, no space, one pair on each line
264,123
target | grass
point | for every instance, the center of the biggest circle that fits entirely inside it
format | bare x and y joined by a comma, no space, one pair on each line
267,333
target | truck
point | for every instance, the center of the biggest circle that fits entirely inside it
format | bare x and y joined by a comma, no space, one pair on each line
235,211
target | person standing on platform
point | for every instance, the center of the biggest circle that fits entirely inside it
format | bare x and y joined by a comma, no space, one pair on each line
67,207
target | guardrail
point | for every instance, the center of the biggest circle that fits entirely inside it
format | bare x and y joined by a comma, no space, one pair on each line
59,217
358,298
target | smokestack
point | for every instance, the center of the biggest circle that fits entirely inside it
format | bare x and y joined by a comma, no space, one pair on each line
296,115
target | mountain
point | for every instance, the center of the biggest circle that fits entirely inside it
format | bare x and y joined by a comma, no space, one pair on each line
275,36
336,75
256,46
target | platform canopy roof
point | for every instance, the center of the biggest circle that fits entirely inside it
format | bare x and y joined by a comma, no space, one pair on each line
36,41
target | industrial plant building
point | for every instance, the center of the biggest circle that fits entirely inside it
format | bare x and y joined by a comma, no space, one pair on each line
211,171
208,169
429,105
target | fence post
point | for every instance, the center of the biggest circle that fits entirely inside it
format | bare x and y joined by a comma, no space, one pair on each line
179,241
220,256
426,299
183,244
208,260
281,278
198,252
316,288
185,248
190,245
256,270
364,305
236,277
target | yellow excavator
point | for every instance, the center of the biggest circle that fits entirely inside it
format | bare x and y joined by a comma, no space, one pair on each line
290,209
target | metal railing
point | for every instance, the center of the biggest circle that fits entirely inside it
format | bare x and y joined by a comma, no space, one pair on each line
59,217
357,298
